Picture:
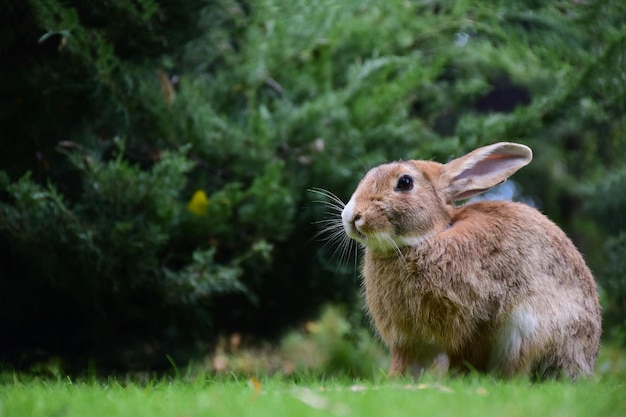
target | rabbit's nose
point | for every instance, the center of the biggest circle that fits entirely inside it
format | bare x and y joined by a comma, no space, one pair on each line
352,219
358,221
354,226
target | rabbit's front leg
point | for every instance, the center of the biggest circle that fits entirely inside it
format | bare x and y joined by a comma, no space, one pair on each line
414,361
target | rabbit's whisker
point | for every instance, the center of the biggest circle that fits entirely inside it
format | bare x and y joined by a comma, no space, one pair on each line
332,230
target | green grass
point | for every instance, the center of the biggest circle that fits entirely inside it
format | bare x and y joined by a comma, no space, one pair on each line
196,394
474,396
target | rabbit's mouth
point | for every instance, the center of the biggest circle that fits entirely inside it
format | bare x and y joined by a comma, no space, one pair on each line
380,242
358,236
385,242
355,233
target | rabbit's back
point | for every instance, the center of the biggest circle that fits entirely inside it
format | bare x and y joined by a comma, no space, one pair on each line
502,287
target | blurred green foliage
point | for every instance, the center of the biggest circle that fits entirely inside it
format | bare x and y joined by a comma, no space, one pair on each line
337,344
156,156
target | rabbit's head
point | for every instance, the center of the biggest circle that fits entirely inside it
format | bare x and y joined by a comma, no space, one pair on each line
401,203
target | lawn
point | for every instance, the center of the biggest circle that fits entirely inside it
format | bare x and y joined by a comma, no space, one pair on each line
472,396
198,393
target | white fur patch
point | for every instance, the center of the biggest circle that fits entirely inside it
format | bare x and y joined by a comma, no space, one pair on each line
525,321
519,329
412,241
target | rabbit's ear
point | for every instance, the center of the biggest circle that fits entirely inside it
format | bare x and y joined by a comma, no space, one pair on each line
481,169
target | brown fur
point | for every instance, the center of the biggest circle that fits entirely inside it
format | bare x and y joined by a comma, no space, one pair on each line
495,286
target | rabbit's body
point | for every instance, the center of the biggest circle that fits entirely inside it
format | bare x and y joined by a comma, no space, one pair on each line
484,314
495,286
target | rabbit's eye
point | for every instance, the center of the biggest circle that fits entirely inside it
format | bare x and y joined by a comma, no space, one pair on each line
405,183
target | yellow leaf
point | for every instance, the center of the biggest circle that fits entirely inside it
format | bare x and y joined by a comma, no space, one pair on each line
199,203
255,384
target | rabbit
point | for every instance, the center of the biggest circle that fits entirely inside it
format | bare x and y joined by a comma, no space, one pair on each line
488,286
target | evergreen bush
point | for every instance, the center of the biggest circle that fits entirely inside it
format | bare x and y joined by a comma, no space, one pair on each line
158,195
608,205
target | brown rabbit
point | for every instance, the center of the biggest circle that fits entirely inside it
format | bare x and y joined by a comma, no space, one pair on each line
491,286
